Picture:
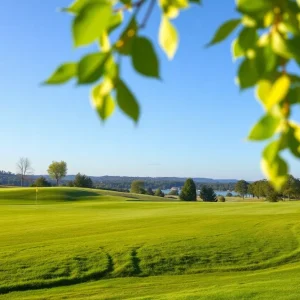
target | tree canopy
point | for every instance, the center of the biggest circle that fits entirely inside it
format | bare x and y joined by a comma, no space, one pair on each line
266,43
82,181
138,187
159,193
263,188
57,170
188,192
41,182
207,194
241,187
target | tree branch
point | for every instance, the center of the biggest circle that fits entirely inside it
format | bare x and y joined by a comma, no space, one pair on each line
148,14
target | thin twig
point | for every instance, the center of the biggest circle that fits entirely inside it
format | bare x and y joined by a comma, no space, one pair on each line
148,14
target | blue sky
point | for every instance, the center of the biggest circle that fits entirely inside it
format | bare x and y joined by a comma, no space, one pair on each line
193,123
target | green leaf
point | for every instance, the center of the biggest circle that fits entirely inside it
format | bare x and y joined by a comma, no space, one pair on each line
115,21
144,58
263,40
124,44
247,38
278,91
280,45
293,139
171,8
247,73
293,46
298,2
63,74
224,31
253,6
77,5
111,69
248,21
126,2
102,100
196,1
168,37
294,95
91,67
269,18
267,60
90,23
274,166
104,42
126,101
236,50
264,128
263,91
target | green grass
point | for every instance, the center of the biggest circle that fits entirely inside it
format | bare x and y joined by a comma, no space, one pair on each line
90,244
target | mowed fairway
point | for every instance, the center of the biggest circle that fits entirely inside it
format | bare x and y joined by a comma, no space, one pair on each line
88,244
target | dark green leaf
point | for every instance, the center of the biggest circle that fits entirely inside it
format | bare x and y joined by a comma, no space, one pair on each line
269,60
294,95
247,38
144,58
124,44
224,31
265,128
293,139
248,74
126,101
90,23
294,46
126,2
63,73
196,1
91,67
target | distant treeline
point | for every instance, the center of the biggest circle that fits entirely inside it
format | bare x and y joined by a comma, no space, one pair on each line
163,184
122,183
8,178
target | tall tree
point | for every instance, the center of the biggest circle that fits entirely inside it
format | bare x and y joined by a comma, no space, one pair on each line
188,192
137,187
57,170
24,168
241,187
251,189
207,194
159,193
83,181
290,187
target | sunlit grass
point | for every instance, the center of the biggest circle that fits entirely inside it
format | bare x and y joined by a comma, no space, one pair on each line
166,249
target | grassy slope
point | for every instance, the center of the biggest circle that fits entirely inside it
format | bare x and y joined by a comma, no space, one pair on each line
212,246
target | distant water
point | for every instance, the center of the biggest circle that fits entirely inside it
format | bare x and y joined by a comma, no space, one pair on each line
222,193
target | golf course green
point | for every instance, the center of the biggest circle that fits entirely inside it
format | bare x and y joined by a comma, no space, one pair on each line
71,243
